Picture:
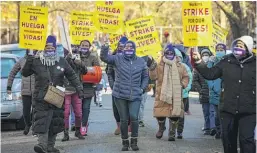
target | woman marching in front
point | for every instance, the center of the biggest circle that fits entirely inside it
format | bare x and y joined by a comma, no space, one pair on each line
48,119
171,77
131,79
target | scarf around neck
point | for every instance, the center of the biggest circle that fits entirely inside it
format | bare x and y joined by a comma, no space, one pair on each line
171,90
48,61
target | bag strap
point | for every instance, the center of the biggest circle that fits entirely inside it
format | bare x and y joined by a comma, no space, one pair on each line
49,76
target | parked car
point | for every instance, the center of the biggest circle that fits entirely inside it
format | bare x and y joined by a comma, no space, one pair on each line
14,49
11,104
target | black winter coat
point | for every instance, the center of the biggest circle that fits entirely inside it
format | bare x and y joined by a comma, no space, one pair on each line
78,70
201,86
239,83
41,108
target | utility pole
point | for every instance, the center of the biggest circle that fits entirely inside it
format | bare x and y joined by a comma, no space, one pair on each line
18,21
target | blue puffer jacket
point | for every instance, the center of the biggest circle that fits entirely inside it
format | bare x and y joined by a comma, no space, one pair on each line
214,88
131,75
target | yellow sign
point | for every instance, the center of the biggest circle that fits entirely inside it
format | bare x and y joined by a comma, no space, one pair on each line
219,35
142,31
33,27
108,16
81,27
114,39
197,23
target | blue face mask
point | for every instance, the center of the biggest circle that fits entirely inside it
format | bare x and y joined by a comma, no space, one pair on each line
129,53
220,54
84,50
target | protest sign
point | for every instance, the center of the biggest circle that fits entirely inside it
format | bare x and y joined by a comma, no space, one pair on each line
33,27
81,27
142,31
108,16
65,38
197,23
114,39
219,35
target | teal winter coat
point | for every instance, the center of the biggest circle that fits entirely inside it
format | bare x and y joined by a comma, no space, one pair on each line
214,88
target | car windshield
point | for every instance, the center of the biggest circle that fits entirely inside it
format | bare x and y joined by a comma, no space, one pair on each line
6,66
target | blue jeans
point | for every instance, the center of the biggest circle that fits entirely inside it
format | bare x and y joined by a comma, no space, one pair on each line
212,116
72,116
142,107
86,103
128,109
206,114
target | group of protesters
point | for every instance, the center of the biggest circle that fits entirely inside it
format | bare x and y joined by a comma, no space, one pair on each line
226,86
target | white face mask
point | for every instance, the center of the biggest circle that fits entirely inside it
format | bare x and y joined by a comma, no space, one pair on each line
205,58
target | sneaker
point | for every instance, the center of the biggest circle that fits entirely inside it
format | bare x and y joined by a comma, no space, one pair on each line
141,124
100,105
39,149
180,136
213,132
207,132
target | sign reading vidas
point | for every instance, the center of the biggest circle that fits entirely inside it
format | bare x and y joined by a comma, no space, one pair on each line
108,16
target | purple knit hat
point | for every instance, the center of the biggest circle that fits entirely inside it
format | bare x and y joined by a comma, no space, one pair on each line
51,40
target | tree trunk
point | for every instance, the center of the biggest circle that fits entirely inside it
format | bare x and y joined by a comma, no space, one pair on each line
18,21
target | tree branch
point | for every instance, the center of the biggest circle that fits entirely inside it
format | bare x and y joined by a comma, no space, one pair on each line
227,11
61,10
159,5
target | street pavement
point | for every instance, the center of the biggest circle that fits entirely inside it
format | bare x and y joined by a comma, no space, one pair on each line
101,139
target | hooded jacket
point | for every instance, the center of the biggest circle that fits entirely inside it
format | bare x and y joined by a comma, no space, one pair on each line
238,91
186,58
189,85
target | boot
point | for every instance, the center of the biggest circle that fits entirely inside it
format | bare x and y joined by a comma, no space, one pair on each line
162,128
125,144
117,131
40,149
133,144
26,130
172,130
66,135
53,150
78,134
73,128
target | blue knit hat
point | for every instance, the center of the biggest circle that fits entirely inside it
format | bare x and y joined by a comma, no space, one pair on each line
169,47
123,40
51,40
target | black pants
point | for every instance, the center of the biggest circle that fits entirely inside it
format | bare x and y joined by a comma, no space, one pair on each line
154,88
27,102
181,121
231,125
115,110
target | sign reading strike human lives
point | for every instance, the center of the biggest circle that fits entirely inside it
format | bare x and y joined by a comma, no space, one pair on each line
219,35
142,31
33,27
197,23
108,16
81,27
